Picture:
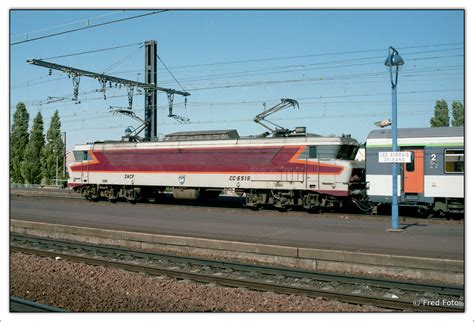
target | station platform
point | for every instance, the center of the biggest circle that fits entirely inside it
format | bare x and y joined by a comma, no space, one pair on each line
438,239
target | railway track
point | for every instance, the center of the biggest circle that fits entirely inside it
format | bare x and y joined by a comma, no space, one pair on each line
345,288
21,305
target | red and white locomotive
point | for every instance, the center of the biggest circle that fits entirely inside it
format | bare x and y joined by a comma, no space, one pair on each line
300,169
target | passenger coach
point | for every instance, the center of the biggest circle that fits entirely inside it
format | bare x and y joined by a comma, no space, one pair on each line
434,179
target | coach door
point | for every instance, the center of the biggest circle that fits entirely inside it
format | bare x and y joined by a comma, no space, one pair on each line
414,172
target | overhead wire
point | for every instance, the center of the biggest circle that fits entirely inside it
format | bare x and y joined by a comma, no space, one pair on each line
421,72
323,63
28,83
213,76
251,104
91,51
318,99
319,68
68,24
312,117
310,55
87,27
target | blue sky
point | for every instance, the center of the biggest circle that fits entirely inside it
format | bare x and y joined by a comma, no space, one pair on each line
330,61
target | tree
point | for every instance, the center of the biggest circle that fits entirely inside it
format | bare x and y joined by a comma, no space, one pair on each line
31,164
53,156
458,114
441,114
18,141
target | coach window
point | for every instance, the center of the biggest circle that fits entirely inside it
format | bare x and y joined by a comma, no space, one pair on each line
411,166
454,161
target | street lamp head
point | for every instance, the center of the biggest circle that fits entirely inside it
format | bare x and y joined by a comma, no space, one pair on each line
394,60
383,123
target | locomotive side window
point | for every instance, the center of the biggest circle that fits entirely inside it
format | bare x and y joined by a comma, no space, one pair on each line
343,152
454,161
328,151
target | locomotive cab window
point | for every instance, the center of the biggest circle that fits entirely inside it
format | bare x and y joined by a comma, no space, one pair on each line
347,152
312,152
454,161
82,156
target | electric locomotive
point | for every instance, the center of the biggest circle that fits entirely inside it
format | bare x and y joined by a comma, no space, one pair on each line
301,169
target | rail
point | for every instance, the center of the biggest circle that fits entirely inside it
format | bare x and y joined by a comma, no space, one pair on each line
21,305
313,286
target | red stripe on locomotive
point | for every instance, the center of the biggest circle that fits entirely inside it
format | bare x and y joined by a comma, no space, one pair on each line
206,160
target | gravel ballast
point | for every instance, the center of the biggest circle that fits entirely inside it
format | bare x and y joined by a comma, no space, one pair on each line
79,287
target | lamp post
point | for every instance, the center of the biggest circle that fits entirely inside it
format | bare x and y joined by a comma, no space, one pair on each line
57,153
57,168
394,62
64,156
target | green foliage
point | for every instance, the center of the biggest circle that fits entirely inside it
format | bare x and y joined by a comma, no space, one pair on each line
18,141
53,152
31,164
458,114
441,115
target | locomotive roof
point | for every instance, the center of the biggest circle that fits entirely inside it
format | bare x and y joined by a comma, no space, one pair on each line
202,135
419,132
291,140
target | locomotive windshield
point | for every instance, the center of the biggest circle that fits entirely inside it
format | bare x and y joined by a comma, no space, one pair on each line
347,152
